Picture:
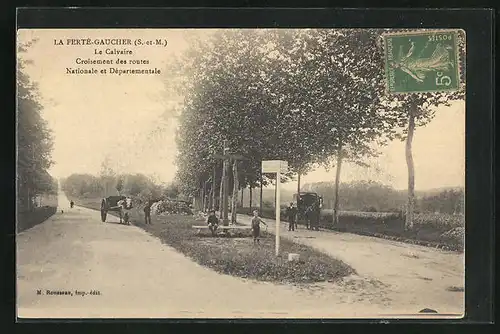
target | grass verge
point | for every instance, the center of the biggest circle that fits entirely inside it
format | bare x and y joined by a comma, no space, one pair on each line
237,255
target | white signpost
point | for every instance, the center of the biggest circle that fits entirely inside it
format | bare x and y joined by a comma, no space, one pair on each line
278,167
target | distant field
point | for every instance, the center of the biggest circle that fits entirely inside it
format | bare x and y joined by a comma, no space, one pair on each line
430,229
440,219
91,203
378,215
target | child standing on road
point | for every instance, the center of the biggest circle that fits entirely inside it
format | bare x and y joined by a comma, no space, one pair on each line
256,226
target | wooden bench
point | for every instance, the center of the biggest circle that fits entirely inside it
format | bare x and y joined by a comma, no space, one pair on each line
223,227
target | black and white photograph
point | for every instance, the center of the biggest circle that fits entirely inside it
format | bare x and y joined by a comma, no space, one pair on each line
240,173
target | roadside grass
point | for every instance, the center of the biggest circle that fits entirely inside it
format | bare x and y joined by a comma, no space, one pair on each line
237,255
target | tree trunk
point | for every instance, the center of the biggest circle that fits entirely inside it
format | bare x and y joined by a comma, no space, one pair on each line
29,198
225,199
250,199
221,192
235,191
411,172
242,193
202,195
206,195
298,197
212,201
261,187
337,183
298,185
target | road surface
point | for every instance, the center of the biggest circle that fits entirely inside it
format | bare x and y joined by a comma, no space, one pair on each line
127,273
415,275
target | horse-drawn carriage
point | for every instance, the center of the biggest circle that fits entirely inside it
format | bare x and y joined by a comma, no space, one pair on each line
115,204
309,205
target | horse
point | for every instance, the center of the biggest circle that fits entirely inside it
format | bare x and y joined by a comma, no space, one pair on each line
125,205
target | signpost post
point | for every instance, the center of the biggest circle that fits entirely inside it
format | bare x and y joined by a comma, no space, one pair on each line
278,167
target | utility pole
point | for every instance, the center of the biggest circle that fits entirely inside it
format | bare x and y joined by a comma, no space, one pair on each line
278,212
276,167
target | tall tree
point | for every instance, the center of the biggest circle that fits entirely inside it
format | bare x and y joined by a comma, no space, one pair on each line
119,184
108,176
409,111
333,83
34,138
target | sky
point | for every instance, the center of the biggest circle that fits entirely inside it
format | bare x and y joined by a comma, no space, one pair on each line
94,117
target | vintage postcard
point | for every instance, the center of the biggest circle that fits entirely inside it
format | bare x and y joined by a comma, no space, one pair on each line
240,173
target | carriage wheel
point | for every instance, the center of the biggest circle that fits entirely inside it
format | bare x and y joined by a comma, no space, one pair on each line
103,211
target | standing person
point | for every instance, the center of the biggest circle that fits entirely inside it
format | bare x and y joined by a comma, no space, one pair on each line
256,221
126,218
213,222
147,213
71,204
291,212
308,216
315,216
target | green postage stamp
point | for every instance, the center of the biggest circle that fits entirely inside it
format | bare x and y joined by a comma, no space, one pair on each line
422,61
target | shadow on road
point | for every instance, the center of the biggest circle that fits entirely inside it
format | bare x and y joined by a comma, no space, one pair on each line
117,223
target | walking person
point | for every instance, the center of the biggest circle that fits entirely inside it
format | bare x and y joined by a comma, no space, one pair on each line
147,213
291,212
256,221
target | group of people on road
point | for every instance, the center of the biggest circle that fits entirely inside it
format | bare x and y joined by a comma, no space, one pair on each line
311,215
213,224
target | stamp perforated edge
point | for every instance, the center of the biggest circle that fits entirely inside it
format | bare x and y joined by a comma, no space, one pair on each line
422,31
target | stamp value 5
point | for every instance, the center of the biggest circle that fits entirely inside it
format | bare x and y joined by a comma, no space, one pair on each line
422,61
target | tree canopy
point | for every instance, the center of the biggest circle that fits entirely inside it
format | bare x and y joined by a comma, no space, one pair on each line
293,95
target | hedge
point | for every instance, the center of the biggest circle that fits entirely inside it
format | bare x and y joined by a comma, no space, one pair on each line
29,219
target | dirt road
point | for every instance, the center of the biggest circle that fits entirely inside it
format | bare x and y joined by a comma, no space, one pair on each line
414,275
127,273
133,275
